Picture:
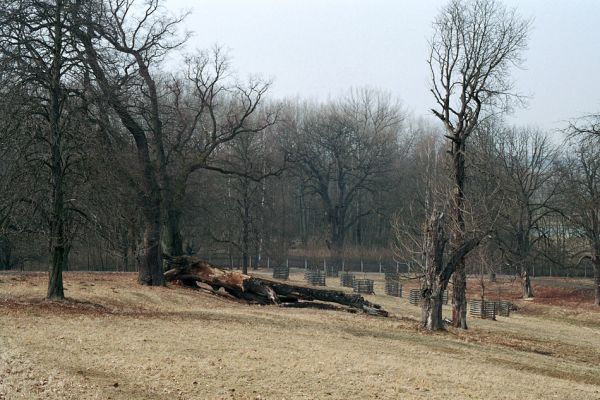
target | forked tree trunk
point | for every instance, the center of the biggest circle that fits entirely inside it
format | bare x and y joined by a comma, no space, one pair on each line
431,308
438,270
436,280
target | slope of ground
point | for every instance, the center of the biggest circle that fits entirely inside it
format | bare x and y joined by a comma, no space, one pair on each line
114,339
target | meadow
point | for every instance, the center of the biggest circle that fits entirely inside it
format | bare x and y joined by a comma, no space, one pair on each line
114,339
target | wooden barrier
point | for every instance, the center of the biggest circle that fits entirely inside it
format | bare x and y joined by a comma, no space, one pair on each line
393,288
415,297
347,279
482,309
503,308
314,277
281,272
364,286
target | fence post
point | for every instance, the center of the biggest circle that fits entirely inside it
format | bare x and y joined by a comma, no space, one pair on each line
268,262
362,266
305,263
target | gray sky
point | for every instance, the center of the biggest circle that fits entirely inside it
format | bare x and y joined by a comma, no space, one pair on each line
317,48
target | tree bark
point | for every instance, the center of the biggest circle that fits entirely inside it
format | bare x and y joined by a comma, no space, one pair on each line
436,279
459,290
459,297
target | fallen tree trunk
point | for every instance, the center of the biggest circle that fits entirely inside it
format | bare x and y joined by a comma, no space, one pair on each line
263,291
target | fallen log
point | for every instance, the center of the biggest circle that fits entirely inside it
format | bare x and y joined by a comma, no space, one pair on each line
263,291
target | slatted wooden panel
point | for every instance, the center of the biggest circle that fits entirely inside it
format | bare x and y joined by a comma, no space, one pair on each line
314,277
482,309
503,308
363,286
414,297
445,297
393,288
282,272
347,279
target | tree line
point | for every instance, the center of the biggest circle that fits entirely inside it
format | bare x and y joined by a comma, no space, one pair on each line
106,153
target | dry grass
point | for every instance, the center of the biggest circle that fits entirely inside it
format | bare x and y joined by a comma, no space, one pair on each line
116,340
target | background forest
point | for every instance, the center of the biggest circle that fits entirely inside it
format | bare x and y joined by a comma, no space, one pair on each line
105,156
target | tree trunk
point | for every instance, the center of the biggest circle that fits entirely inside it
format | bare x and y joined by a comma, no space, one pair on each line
172,232
337,251
459,291
5,253
150,266
245,236
57,232
596,264
459,297
55,280
526,285
597,284
436,276
431,308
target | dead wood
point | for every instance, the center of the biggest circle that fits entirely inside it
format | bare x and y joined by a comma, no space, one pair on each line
263,291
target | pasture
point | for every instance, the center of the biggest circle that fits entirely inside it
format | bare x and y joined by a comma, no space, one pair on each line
114,339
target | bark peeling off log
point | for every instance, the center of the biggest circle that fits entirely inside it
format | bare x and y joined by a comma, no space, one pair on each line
264,291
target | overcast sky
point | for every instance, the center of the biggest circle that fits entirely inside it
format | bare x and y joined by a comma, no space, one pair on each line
317,48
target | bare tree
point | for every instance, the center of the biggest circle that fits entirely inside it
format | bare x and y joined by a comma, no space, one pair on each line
342,150
526,170
123,41
208,107
580,201
423,240
42,58
474,45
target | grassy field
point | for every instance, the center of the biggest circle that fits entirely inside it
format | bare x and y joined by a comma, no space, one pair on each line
114,339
